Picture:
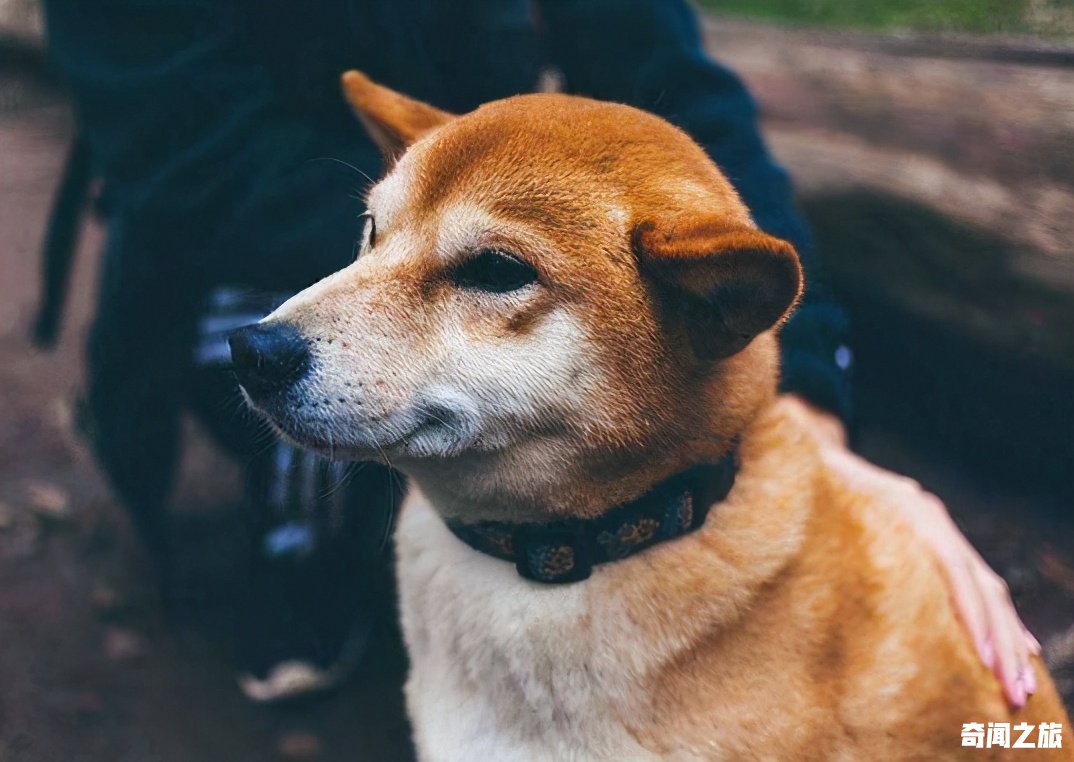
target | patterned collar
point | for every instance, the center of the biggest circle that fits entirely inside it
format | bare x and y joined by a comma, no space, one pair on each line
566,551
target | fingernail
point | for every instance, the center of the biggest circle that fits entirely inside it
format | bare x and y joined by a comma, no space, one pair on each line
1018,694
1029,679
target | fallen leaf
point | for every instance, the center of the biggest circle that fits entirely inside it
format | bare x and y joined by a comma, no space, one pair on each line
123,645
299,745
1057,570
49,501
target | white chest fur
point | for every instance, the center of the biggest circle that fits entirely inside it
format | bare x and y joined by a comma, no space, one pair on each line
507,669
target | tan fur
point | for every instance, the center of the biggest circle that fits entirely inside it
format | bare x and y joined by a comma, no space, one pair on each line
826,628
799,623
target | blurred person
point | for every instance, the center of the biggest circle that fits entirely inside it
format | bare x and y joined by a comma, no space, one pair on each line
230,165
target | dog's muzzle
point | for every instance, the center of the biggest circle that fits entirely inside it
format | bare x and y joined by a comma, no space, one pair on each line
268,358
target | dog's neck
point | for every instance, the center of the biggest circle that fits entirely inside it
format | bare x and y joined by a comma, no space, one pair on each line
567,551
545,487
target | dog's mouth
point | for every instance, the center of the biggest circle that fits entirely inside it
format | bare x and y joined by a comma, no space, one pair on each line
421,431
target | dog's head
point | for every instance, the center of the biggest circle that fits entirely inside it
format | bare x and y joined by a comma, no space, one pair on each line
557,301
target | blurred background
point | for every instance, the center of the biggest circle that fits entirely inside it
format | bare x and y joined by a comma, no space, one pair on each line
932,144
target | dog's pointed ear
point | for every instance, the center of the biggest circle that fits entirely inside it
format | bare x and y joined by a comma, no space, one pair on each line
729,282
393,120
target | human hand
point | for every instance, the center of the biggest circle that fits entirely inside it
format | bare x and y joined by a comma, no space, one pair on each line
980,596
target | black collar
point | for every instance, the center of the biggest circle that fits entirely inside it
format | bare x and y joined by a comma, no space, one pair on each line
566,551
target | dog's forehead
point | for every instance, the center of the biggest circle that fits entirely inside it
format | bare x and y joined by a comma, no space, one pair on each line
578,173
432,192
521,139
387,198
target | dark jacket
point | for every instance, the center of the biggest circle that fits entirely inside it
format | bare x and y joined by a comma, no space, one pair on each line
223,141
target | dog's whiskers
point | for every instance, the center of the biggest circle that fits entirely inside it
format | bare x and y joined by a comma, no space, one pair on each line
345,164
348,476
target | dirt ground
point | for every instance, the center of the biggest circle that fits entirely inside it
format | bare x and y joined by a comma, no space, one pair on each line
89,669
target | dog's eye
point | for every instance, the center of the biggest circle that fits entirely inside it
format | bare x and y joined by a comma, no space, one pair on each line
367,230
494,271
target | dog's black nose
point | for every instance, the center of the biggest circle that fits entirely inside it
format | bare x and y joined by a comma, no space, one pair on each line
268,357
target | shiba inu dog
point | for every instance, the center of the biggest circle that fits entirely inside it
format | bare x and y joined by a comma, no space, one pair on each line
617,545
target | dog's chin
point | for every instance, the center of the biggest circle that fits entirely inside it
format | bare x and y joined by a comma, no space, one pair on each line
424,443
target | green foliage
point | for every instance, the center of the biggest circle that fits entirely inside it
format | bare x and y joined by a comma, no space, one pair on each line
932,15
